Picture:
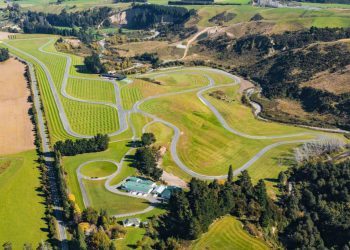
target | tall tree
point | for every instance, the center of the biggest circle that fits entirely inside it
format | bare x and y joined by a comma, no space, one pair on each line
230,174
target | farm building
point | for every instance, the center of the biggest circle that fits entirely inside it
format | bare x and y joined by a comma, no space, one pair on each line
166,194
138,185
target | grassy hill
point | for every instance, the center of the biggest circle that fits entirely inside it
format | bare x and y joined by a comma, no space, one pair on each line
228,233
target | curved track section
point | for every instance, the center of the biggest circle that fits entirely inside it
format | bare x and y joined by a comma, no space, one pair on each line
125,121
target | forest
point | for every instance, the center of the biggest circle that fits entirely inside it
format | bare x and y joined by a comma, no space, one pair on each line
317,207
80,146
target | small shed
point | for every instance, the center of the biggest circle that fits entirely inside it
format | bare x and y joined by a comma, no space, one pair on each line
131,222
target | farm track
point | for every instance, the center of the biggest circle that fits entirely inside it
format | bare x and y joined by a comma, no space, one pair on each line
125,121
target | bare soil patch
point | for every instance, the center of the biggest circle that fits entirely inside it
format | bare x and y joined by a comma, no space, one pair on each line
16,129
245,84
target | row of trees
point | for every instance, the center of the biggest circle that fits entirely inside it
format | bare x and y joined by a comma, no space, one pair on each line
147,157
4,54
80,146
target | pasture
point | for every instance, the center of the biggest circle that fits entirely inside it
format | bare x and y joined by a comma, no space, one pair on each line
228,233
22,206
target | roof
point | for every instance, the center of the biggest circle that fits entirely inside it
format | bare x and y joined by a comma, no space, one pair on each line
138,185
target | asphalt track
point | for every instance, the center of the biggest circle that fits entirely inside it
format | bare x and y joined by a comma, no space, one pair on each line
125,121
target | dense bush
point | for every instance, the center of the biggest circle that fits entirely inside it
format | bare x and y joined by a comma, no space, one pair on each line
80,146
93,64
317,207
4,54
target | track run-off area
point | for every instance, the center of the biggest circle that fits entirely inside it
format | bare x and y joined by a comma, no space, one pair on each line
203,134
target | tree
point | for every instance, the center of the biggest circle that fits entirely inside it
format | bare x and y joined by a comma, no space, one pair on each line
27,246
148,139
230,174
282,178
90,215
4,54
99,241
93,64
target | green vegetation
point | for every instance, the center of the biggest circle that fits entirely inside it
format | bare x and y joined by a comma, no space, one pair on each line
22,206
116,151
98,169
92,90
87,119
195,120
228,233
100,198
4,54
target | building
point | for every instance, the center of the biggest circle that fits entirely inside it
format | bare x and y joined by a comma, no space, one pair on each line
116,76
138,186
132,222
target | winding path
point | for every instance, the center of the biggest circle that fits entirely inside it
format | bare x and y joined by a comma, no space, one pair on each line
125,121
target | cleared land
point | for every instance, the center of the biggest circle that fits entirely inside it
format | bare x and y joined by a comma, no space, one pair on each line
228,233
16,128
22,208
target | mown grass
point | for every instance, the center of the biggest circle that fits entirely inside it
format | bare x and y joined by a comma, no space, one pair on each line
92,90
98,169
101,198
205,146
228,233
240,117
22,206
115,152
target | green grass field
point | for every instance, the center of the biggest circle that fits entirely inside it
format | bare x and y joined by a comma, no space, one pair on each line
228,233
22,208
100,198
205,146
241,117
115,152
98,169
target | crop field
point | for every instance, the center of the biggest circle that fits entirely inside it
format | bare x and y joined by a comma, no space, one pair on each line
228,233
21,209
92,90
100,198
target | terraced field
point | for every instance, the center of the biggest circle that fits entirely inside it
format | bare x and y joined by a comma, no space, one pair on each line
228,233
